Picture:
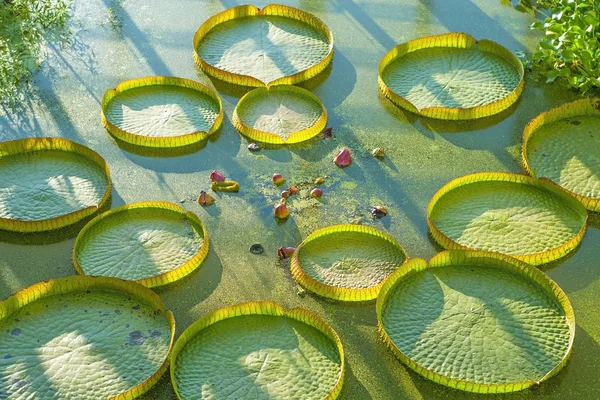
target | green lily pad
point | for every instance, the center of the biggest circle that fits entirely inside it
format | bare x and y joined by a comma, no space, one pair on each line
248,46
49,183
161,112
451,76
153,243
346,262
83,338
477,321
563,145
280,114
256,350
526,218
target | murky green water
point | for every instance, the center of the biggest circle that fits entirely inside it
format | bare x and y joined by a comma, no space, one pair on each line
154,38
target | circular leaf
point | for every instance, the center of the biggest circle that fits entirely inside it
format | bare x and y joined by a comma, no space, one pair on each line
161,111
563,145
451,76
82,337
280,114
49,183
257,350
346,262
153,243
526,218
476,321
248,46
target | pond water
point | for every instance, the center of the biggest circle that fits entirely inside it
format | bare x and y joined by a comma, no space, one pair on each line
125,39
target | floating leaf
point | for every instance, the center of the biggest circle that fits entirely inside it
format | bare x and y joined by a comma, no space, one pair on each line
49,183
563,145
526,218
277,45
279,114
446,319
83,337
346,262
277,355
153,243
451,76
160,111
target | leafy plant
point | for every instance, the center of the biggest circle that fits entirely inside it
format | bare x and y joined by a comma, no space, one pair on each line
570,50
25,27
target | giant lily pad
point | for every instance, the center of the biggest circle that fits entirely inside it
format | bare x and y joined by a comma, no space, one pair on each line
451,76
476,321
153,243
280,114
83,338
161,111
257,350
563,145
346,262
49,183
253,47
526,218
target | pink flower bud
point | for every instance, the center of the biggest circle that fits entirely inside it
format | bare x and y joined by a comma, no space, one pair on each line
316,192
343,158
278,179
285,252
281,211
216,176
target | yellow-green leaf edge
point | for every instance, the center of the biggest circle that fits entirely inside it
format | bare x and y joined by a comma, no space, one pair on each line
76,283
454,257
160,142
583,107
457,40
23,146
162,279
249,11
260,308
272,138
334,292
532,259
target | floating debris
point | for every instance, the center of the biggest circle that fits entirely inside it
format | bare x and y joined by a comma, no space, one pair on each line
216,176
378,212
285,252
281,211
278,179
378,152
319,181
205,199
301,292
225,186
316,192
257,249
327,133
253,147
343,158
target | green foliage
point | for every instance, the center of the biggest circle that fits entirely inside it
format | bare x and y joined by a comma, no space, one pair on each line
570,49
25,27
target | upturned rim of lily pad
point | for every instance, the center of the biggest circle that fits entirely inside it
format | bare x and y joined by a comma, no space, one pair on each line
31,145
458,40
577,108
160,142
336,292
77,283
244,11
534,259
273,138
457,257
158,280
268,308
